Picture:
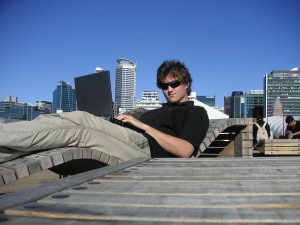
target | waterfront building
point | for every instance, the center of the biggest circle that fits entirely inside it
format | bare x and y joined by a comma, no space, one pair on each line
254,103
207,99
11,110
149,101
282,89
237,105
125,87
64,98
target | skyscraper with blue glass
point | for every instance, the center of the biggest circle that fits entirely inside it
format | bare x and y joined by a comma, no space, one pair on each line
64,98
237,105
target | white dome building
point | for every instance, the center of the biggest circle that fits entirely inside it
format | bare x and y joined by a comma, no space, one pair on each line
212,113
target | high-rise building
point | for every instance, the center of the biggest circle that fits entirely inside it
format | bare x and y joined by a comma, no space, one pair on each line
208,100
282,92
237,105
125,89
227,106
64,98
254,103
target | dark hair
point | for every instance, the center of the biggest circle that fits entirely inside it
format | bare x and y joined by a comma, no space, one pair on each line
177,70
289,119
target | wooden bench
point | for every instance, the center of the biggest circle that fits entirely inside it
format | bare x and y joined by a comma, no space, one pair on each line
226,137
280,147
16,169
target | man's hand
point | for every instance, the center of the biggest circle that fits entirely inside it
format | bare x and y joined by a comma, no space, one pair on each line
131,120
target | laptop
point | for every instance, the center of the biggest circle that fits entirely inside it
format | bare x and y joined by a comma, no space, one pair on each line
93,94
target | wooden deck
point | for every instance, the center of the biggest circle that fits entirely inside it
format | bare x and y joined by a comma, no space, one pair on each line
258,190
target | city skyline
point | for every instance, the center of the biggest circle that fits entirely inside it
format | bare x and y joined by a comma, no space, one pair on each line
227,45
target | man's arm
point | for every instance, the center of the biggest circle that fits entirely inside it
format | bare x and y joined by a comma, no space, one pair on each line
291,135
174,145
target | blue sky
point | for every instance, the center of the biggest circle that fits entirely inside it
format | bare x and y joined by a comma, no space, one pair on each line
228,45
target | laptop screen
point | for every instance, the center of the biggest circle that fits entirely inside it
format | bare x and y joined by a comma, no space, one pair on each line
93,94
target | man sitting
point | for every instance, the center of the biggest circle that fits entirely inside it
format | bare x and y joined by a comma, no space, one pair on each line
292,128
174,130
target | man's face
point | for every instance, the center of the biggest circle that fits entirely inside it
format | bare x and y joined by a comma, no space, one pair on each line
293,123
174,93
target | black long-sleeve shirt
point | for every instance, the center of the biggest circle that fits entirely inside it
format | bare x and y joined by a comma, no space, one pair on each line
183,120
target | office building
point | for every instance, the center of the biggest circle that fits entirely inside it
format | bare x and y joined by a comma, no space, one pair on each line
64,98
254,103
227,105
282,90
208,100
237,105
125,88
43,106
149,101
11,110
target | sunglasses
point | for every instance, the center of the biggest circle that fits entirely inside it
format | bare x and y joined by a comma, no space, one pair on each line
172,84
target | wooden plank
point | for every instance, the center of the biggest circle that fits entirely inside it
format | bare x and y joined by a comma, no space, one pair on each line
20,169
211,137
67,154
104,158
282,148
278,152
283,141
77,153
87,153
33,165
278,144
211,131
202,147
55,155
113,160
44,160
1,179
206,141
96,154
7,175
